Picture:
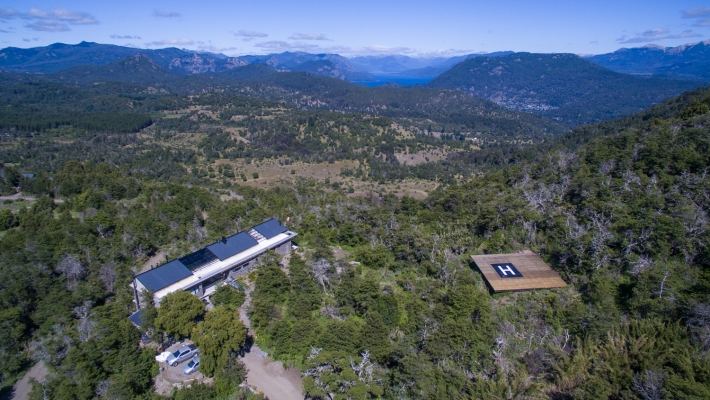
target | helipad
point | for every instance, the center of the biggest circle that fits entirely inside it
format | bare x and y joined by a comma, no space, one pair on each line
517,271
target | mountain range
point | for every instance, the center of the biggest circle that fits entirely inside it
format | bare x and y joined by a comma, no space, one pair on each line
59,56
690,61
568,88
564,87
687,62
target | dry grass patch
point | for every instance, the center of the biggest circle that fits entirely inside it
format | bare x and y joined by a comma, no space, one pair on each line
272,173
421,157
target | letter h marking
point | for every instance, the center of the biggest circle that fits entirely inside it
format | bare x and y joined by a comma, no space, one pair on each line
505,269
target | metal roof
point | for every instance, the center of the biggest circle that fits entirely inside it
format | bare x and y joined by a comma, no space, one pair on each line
137,318
163,276
270,228
197,259
232,245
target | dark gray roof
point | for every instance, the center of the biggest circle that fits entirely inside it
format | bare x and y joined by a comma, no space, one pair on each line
270,228
197,259
232,245
163,276
137,318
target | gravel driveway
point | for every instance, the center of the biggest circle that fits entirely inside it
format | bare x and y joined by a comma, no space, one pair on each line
21,390
268,376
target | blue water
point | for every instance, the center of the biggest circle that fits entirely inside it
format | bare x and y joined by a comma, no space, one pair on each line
401,80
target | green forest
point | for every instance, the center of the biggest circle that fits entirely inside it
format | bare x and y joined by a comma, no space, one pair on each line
619,209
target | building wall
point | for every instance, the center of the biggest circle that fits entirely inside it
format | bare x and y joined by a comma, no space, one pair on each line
284,248
250,266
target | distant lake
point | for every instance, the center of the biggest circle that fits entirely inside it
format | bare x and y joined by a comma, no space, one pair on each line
398,79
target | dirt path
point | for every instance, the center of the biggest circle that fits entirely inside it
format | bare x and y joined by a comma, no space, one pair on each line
268,376
271,378
21,390
19,196
157,259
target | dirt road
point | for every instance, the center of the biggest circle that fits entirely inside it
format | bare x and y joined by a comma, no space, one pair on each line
21,390
271,378
268,376
19,196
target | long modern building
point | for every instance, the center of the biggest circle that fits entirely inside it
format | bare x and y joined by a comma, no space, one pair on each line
200,271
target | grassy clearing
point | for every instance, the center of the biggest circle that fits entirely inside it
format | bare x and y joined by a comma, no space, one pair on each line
272,174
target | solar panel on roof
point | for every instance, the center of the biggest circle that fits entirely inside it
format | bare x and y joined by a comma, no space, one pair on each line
270,228
232,245
197,259
163,276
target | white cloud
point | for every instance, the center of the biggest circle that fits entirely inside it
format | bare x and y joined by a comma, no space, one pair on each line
376,49
214,49
59,14
657,34
35,13
183,41
696,12
700,14
47,26
250,34
72,17
280,46
34,39
56,20
166,14
277,45
125,37
442,53
308,36
8,13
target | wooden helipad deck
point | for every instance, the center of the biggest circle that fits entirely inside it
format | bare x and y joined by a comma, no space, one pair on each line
517,271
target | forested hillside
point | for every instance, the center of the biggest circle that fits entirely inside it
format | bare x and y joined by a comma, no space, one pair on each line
180,132
619,209
561,86
564,87
140,77
623,219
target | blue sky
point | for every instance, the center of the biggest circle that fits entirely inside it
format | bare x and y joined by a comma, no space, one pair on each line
424,28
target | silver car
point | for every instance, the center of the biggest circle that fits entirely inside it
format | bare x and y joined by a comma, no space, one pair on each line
191,366
182,354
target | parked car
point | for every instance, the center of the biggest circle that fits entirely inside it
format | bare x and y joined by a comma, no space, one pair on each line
182,354
191,366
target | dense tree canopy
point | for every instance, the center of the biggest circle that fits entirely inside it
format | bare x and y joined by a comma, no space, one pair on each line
218,336
178,313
